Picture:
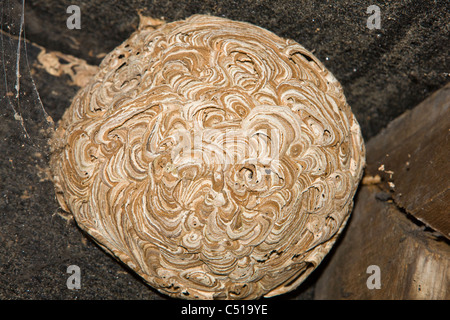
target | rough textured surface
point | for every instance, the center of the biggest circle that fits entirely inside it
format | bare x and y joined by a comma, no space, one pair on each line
214,158
383,72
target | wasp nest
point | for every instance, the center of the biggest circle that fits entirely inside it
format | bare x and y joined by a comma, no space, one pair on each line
214,158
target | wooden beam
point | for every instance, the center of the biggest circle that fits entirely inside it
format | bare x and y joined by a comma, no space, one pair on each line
412,263
412,156
399,229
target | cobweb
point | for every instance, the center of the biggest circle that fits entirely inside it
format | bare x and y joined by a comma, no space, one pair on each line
19,97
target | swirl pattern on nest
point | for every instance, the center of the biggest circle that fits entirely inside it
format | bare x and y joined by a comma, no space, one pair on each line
214,158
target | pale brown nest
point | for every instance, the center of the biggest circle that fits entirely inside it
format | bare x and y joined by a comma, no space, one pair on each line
214,158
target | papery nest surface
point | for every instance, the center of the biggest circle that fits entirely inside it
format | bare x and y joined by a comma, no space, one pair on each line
212,157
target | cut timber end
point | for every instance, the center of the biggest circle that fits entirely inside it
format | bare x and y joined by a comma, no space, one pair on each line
412,263
399,224
414,153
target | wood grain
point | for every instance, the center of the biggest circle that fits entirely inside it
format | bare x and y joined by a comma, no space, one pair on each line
413,264
412,154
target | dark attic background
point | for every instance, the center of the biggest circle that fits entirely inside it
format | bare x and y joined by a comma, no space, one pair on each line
383,71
